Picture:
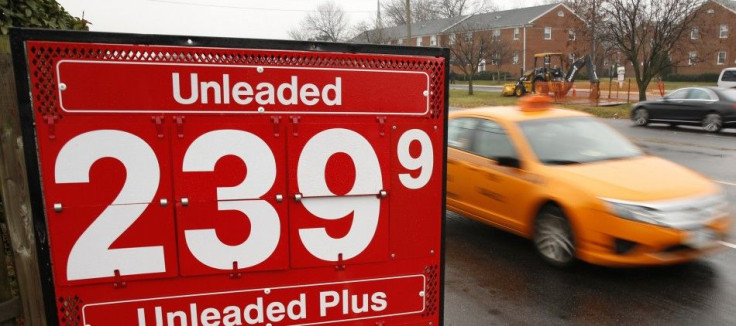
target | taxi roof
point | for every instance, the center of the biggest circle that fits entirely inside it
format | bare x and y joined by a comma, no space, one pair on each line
514,113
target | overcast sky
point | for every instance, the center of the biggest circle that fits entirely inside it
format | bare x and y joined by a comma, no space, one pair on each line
267,19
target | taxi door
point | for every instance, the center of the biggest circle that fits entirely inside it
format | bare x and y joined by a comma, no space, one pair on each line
498,192
459,140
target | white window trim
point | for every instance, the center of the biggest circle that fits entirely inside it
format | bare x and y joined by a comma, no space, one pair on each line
401,41
516,34
433,40
515,58
723,31
469,37
571,32
718,58
694,33
548,36
451,39
691,57
419,41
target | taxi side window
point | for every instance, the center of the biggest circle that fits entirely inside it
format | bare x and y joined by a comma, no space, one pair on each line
491,141
460,133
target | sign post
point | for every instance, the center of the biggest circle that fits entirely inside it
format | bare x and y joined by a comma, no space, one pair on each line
203,181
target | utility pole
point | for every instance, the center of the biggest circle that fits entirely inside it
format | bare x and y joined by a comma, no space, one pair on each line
408,21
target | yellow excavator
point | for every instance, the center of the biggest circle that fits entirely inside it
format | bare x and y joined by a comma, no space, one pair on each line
548,77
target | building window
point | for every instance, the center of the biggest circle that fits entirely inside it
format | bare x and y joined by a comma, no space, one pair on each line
401,41
710,11
452,39
482,66
692,58
548,33
515,58
496,35
724,31
694,33
433,40
469,37
561,13
516,33
721,60
419,41
571,35
494,59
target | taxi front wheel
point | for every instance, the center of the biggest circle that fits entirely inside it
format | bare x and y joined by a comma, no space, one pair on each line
553,237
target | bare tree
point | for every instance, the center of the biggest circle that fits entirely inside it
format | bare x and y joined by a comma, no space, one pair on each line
424,10
328,23
648,32
456,8
499,53
468,50
421,10
367,32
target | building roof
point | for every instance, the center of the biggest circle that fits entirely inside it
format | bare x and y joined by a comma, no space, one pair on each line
728,4
488,21
504,19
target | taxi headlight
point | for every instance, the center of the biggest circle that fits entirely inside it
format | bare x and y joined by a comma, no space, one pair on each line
635,212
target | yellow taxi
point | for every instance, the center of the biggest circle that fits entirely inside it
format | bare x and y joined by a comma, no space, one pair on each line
578,189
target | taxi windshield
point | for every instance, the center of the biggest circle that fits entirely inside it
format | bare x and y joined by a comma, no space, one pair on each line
561,141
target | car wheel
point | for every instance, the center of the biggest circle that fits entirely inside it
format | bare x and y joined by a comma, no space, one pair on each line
641,117
519,91
553,238
712,122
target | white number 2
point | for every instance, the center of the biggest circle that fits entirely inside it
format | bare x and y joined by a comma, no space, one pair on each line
91,256
424,161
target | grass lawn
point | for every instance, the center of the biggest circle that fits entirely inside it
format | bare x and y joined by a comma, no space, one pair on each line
584,84
461,99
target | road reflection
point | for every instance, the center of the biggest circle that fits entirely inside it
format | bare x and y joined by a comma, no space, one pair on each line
493,277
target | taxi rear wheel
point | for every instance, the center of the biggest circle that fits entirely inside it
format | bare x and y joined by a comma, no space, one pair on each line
553,237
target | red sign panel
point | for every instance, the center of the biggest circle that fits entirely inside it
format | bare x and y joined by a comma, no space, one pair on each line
207,88
198,186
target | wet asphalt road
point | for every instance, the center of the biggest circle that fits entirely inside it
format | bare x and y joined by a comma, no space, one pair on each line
495,278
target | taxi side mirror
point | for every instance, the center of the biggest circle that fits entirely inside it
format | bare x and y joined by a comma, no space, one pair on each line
509,161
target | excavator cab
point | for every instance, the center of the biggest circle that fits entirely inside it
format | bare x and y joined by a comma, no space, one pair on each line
547,76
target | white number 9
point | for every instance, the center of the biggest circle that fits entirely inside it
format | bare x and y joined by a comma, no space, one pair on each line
424,161
311,180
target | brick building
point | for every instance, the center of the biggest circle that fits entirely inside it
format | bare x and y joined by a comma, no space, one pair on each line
710,45
525,31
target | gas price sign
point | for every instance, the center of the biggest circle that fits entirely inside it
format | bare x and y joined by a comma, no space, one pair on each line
198,181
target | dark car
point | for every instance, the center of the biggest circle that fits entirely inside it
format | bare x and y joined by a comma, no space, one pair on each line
712,108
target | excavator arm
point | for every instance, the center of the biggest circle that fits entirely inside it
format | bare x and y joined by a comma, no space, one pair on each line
579,64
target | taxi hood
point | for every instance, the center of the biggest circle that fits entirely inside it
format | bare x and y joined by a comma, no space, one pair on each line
643,178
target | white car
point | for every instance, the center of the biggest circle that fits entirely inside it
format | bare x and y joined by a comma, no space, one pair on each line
727,78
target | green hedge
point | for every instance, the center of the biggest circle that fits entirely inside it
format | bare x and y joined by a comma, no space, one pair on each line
704,77
485,75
